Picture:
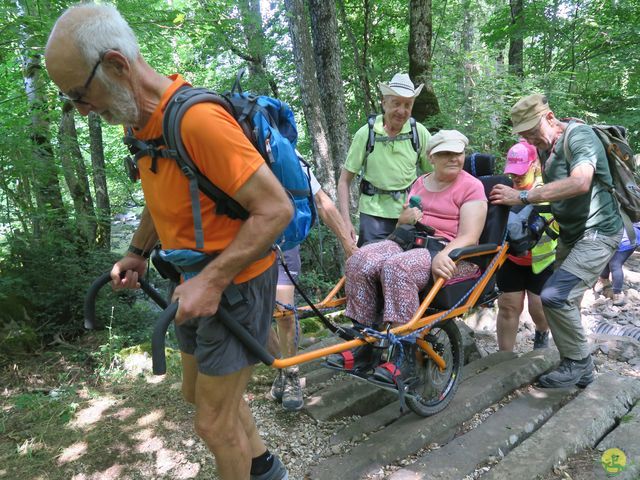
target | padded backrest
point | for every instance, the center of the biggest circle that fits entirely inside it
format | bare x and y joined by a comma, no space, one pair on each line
497,215
480,164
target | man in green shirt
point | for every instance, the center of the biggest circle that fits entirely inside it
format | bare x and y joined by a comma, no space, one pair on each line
387,172
576,185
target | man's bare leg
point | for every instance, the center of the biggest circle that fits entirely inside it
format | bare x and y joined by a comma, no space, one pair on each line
510,305
225,424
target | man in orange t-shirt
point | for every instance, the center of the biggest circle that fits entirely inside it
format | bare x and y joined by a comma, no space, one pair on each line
93,56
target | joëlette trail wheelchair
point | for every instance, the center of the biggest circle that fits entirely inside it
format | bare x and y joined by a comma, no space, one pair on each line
439,352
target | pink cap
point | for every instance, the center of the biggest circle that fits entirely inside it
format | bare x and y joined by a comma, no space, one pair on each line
520,157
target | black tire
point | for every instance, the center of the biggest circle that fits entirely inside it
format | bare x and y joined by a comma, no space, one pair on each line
435,389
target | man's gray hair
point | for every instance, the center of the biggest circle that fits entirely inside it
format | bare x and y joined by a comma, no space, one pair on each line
104,29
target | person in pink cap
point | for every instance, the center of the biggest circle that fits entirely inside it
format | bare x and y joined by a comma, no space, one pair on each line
524,276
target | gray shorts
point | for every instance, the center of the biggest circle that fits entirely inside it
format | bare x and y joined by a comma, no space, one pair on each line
587,257
374,229
216,350
292,257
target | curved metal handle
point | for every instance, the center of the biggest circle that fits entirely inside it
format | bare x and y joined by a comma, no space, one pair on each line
162,325
101,281
158,356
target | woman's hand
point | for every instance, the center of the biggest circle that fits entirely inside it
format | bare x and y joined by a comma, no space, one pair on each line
443,266
410,215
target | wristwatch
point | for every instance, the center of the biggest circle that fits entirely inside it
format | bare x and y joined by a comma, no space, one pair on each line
524,197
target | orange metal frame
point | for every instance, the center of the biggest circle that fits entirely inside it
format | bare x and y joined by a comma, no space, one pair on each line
416,322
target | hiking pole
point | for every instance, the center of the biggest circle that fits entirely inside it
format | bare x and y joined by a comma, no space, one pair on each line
101,281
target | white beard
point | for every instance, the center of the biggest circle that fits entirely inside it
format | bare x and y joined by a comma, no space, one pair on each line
123,109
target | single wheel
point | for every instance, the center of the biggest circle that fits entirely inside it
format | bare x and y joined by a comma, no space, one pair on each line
435,388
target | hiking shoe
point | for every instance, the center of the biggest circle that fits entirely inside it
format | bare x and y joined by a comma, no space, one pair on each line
618,299
601,285
277,389
361,358
277,472
292,394
401,365
569,373
541,339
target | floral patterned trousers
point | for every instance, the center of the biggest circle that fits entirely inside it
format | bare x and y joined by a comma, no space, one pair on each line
402,276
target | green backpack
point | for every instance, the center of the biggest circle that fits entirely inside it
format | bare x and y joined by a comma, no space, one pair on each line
622,165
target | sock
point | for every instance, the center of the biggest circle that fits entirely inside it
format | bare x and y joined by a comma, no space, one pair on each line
262,463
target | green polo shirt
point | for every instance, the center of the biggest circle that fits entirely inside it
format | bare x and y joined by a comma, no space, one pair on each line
596,208
391,166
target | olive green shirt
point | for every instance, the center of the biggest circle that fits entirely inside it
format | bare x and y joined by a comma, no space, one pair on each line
391,166
595,209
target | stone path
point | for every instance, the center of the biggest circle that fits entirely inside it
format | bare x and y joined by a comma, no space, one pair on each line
498,425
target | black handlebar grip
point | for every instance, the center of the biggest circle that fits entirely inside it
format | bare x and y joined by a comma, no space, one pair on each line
90,300
101,281
158,356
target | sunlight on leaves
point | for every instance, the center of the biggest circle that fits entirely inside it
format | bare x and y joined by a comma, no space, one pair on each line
73,452
92,414
151,418
29,446
111,473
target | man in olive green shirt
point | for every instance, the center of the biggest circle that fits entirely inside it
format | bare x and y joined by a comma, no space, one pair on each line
577,179
389,170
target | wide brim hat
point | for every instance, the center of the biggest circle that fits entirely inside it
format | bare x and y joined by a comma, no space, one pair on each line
447,141
400,86
526,113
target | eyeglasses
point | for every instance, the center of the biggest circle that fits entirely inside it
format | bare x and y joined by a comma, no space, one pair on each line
82,91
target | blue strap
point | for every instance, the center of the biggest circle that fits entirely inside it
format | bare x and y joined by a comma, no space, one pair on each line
183,257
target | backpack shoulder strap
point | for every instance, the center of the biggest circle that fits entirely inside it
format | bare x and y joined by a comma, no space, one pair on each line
184,98
415,138
371,142
572,123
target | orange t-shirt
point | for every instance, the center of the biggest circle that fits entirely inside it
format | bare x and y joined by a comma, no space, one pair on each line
222,152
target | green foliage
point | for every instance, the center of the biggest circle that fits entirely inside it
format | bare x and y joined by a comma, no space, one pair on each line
38,407
45,283
311,325
583,55
322,260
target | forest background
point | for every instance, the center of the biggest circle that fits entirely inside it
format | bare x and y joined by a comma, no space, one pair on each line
62,179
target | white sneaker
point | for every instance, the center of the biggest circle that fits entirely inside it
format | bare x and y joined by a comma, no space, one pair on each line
618,299
601,285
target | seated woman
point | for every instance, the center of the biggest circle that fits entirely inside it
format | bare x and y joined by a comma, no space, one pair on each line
453,202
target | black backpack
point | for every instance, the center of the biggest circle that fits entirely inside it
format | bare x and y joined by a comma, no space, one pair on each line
367,187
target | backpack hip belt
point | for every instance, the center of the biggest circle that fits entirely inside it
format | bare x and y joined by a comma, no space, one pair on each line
367,188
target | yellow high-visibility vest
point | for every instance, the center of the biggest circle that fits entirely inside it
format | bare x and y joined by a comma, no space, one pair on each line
544,253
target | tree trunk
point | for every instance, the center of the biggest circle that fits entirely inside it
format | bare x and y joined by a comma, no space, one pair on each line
516,42
324,28
420,34
256,46
75,174
468,67
310,95
368,100
103,206
50,215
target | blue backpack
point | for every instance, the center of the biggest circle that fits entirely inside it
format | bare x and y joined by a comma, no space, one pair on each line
270,126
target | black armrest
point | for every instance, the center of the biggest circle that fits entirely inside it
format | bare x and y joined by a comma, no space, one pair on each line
487,248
